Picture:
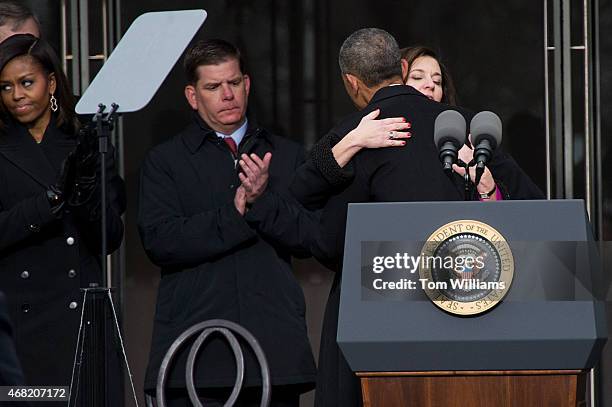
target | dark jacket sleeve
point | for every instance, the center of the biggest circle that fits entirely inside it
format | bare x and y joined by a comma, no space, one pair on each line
513,182
10,370
169,236
280,218
88,216
328,243
320,176
24,219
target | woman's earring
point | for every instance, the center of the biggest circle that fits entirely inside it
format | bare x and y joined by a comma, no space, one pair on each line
53,101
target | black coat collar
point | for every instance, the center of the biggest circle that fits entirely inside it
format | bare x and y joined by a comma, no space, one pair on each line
18,147
395,90
200,131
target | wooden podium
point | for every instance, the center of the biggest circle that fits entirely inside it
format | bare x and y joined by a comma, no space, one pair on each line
523,388
534,348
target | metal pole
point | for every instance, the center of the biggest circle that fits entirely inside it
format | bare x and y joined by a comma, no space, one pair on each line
597,120
547,106
588,114
84,44
566,86
557,134
64,36
74,41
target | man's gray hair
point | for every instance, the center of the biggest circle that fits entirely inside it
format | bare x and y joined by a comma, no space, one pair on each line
372,55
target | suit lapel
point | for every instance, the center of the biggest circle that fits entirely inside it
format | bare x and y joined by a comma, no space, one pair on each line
18,147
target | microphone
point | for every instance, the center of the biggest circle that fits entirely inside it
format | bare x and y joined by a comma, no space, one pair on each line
486,130
449,136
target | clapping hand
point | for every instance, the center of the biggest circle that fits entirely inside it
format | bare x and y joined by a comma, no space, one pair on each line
240,200
255,175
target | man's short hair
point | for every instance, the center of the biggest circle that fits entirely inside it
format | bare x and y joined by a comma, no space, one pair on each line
14,13
209,52
372,55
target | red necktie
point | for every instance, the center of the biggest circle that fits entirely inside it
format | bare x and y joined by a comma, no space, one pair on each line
231,144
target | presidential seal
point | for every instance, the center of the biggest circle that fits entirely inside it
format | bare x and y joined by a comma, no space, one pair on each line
467,267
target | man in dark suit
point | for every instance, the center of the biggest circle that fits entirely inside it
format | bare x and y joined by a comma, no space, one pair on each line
372,74
216,215
10,370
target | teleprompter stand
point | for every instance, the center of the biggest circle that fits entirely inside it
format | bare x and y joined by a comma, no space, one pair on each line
127,82
93,342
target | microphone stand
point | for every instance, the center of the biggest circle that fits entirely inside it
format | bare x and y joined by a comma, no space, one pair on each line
480,167
468,192
92,341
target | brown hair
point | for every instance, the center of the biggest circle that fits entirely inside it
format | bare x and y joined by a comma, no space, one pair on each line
15,14
410,54
209,52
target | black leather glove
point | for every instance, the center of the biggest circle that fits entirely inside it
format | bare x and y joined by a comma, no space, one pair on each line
87,143
83,189
57,194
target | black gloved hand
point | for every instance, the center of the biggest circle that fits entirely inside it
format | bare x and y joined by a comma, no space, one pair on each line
87,143
83,189
58,193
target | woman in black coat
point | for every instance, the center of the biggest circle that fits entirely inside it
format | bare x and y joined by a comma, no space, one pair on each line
49,209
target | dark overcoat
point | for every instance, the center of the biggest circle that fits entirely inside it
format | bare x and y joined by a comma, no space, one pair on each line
10,368
404,174
216,263
45,260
